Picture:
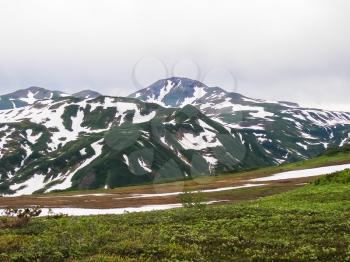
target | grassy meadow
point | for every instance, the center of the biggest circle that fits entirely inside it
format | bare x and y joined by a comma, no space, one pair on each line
311,223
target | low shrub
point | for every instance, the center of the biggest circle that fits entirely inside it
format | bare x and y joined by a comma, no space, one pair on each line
16,217
342,177
192,200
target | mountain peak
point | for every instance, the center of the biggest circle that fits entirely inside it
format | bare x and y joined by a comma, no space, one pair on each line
173,92
32,94
86,94
181,91
183,81
35,88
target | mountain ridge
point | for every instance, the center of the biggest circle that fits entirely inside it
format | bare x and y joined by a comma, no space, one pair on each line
65,142
30,95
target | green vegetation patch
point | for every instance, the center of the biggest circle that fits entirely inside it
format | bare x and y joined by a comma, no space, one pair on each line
342,177
69,112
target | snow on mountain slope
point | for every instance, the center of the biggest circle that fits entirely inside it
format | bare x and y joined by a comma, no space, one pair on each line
27,96
51,114
63,143
66,179
181,130
173,92
32,94
213,101
284,131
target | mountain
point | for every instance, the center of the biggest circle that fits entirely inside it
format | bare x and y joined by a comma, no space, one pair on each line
27,96
32,94
285,131
182,130
110,142
86,94
174,92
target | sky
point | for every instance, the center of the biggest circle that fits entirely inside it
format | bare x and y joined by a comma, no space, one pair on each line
291,50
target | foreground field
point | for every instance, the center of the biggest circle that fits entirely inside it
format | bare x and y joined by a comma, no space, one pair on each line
311,223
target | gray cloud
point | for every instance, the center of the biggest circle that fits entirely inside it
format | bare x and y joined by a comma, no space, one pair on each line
276,49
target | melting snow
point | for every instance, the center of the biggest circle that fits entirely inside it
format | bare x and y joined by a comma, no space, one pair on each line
66,183
303,173
4,140
189,141
30,99
32,138
52,118
205,139
28,152
198,93
162,93
82,152
126,159
110,211
197,191
255,111
144,165
302,145
31,185
123,107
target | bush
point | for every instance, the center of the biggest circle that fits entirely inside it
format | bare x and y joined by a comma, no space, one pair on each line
342,177
192,200
19,217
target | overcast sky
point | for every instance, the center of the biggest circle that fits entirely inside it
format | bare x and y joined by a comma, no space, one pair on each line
296,50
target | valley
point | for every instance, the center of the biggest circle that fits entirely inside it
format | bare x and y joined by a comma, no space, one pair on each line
232,188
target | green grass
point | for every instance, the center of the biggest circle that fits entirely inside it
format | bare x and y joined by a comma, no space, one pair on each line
311,223
337,178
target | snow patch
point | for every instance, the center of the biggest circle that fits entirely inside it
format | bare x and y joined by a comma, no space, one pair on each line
30,99
66,181
32,138
197,191
31,185
303,173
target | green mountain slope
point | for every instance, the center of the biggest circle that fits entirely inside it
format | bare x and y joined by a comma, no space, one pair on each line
57,142
110,142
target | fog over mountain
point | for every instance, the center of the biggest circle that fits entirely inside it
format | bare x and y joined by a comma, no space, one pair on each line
278,50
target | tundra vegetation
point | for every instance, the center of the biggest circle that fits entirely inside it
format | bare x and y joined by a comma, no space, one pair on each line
311,223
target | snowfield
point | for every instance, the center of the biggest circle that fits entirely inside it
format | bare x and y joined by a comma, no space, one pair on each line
199,191
303,173
110,211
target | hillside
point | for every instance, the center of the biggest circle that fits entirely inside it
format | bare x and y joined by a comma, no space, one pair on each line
285,131
110,142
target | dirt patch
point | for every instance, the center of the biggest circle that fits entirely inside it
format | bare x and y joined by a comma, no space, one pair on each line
119,198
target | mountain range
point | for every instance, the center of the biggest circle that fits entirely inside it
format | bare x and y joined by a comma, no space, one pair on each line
177,128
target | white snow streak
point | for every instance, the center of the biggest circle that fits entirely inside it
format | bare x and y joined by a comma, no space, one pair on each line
303,173
66,183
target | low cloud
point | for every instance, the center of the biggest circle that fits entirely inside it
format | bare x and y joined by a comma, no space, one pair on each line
281,50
